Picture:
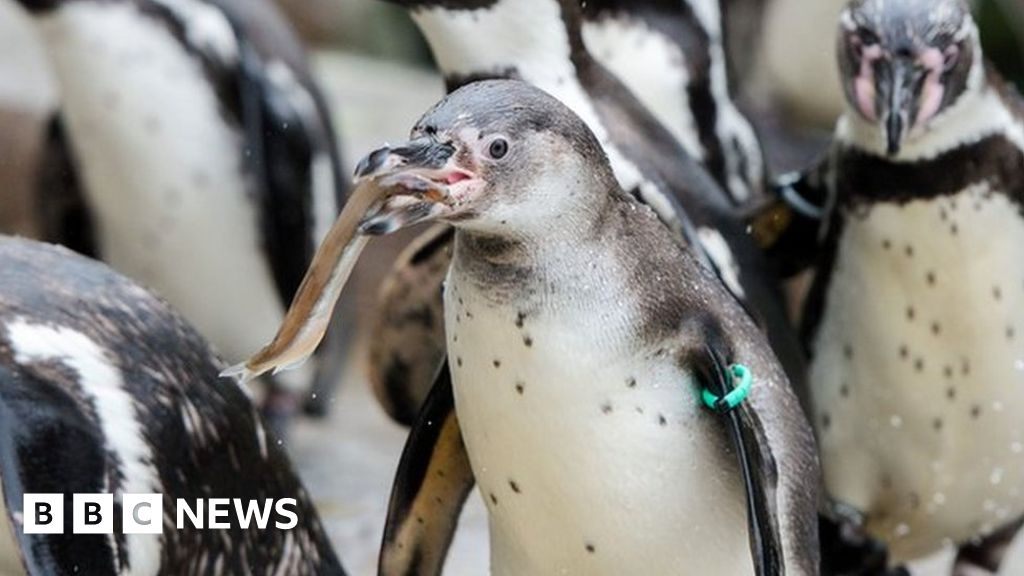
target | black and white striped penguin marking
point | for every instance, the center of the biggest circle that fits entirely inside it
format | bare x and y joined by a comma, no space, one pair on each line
916,324
578,330
103,389
204,152
672,56
540,41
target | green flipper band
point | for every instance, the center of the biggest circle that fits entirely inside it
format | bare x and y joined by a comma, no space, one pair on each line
743,380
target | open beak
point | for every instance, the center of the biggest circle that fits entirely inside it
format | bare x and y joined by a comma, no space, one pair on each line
420,176
396,187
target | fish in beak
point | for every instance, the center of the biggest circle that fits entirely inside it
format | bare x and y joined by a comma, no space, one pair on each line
395,188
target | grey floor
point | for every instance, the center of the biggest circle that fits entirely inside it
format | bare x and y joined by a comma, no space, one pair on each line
348,462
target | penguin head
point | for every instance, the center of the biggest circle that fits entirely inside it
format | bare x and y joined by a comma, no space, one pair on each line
903,63
493,156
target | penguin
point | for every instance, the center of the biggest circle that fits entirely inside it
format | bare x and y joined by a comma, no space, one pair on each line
105,389
914,321
580,334
541,42
672,56
193,151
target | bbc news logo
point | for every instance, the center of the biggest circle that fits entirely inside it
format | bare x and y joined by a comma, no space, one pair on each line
144,514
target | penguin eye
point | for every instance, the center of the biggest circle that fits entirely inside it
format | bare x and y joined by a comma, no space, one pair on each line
498,148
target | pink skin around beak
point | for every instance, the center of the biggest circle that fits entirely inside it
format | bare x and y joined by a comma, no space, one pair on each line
864,84
934,61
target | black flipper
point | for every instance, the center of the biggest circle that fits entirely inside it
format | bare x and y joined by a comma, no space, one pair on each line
431,486
40,425
60,204
756,465
288,132
280,154
789,227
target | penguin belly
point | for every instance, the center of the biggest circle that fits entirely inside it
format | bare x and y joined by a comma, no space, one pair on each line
10,554
163,170
919,369
590,460
645,58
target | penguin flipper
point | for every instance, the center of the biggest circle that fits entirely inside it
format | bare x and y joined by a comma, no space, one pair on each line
789,226
431,486
60,204
296,158
408,344
48,445
280,156
756,465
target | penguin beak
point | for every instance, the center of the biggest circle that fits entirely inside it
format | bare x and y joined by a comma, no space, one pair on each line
396,187
899,92
424,181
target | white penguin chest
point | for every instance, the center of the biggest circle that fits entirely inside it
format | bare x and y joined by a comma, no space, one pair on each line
654,68
590,461
919,369
162,169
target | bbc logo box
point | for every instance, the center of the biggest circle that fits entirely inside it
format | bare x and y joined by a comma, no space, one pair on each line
144,513
92,514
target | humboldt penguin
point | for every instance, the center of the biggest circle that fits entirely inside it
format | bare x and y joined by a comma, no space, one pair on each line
672,56
581,336
916,321
193,152
541,42
104,389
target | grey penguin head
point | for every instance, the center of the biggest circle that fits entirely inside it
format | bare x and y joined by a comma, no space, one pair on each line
501,155
903,63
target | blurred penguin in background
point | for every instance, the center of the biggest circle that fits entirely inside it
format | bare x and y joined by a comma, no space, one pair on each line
194,152
105,390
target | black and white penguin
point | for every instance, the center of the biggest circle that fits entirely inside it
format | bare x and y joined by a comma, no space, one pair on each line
916,321
202,150
104,389
672,56
580,333
541,42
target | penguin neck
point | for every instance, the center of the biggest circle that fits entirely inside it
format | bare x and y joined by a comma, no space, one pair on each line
981,111
538,41
532,253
